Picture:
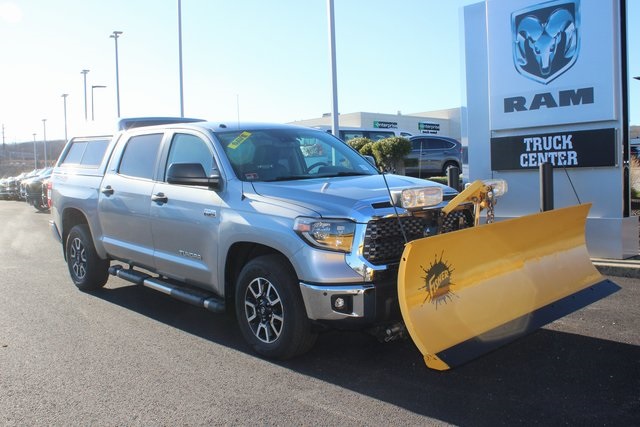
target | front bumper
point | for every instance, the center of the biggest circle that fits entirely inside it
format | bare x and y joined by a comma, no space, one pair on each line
353,304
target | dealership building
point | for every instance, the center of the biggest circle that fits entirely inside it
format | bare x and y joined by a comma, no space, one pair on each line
441,122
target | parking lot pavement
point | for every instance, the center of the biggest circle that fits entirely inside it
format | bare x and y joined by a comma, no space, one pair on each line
130,356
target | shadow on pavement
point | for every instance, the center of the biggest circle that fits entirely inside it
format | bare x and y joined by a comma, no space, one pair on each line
548,377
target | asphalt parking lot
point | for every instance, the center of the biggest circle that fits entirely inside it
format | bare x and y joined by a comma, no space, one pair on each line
130,356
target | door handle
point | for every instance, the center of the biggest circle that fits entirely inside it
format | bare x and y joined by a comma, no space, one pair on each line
159,198
107,191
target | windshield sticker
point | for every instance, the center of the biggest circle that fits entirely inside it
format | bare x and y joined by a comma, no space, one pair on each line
251,176
239,140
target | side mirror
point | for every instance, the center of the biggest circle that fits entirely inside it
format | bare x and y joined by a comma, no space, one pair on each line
192,174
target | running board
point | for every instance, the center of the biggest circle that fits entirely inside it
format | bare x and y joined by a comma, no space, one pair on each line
191,296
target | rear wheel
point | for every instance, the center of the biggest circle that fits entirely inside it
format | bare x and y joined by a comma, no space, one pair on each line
270,310
447,166
88,271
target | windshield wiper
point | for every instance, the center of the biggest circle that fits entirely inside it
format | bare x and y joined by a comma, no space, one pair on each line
290,178
353,173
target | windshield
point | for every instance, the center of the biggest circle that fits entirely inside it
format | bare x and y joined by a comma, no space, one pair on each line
286,154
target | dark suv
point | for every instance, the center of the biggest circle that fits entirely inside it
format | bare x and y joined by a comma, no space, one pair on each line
432,155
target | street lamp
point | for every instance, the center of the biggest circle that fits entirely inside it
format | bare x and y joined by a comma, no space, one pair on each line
35,155
92,88
334,74
115,36
64,98
180,56
44,140
84,72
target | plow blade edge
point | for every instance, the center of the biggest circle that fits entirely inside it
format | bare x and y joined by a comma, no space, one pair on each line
465,293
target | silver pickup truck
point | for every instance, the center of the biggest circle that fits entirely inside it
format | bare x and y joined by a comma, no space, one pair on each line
289,225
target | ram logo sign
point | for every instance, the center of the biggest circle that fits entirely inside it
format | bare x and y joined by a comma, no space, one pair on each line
546,39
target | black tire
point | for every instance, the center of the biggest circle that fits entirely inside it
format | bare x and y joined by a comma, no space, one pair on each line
40,206
270,310
88,271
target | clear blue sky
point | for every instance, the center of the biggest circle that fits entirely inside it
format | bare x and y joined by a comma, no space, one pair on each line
266,60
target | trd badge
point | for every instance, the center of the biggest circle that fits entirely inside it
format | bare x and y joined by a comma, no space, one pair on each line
546,39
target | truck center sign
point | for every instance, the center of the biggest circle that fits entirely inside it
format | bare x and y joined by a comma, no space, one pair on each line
590,148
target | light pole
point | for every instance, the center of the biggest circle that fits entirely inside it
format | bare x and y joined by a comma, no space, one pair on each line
334,78
44,140
84,73
64,98
180,56
115,36
92,88
35,155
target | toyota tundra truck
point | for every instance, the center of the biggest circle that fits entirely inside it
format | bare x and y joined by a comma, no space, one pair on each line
289,225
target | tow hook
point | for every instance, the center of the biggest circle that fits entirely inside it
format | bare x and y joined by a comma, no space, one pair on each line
388,333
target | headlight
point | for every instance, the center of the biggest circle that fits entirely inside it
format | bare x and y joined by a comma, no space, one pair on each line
416,198
498,186
330,234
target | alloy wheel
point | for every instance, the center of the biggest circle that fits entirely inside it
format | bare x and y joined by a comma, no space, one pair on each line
263,310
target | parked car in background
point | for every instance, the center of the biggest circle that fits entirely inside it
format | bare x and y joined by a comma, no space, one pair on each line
432,155
33,189
10,188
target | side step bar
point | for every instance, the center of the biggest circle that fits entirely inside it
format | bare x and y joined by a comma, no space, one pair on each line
192,296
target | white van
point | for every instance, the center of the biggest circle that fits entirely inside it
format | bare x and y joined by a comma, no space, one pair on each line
347,133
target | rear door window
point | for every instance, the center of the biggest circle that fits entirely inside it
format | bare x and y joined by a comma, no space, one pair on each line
140,156
438,144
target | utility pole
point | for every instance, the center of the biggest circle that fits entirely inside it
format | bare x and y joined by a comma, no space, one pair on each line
180,57
64,99
334,79
115,36
35,154
44,140
84,73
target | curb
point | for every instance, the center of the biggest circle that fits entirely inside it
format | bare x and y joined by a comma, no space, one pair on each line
620,268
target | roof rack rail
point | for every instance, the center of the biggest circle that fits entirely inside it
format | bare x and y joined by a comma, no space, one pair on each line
136,122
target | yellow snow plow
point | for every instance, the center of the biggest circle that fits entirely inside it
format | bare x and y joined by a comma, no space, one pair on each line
467,292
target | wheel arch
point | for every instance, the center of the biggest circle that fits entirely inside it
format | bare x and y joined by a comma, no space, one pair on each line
239,254
70,218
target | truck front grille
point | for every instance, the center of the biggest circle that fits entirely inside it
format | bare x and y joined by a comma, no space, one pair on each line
384,242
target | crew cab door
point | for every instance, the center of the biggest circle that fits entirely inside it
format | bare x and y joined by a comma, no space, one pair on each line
125,198
185,219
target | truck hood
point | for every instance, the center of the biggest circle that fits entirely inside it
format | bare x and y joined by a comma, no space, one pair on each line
356,197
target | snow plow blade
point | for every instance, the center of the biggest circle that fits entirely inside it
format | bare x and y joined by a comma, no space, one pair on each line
465,293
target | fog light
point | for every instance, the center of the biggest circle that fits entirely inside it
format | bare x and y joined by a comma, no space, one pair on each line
342,303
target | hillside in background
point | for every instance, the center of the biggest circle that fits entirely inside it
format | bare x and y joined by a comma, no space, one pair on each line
16,158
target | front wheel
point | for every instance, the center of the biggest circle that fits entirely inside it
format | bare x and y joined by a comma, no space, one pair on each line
88,271
270,310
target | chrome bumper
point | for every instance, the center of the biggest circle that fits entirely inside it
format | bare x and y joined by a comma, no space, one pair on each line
322,302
